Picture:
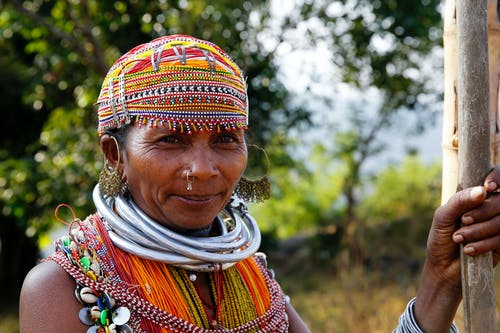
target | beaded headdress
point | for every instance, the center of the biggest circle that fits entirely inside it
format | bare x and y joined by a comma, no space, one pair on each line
178,81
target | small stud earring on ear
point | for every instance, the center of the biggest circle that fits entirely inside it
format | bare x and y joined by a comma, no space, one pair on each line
110,180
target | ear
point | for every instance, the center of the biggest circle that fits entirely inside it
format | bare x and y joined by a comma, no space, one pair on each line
111,151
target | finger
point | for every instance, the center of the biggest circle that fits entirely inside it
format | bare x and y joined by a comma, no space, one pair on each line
478,231
492,179
458,204
483,246
487,210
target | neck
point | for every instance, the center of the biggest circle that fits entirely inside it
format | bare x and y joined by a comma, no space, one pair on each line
203,232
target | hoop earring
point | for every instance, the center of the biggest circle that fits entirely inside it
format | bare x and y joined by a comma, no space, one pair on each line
189,179
254,190
110,180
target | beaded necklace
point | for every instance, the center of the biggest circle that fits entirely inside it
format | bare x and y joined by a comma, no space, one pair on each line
240,293
162,298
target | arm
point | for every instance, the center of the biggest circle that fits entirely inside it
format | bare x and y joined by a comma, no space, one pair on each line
440,292
48,302
297,325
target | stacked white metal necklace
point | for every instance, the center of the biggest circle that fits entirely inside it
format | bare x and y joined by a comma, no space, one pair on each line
133,231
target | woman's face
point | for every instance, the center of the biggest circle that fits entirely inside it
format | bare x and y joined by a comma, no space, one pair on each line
155,166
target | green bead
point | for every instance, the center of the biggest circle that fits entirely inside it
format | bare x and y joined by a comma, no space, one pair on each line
104,317
85,261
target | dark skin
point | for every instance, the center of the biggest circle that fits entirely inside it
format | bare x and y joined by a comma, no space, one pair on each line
439,293
154,163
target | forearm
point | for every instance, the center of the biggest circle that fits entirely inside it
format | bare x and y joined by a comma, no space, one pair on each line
436,303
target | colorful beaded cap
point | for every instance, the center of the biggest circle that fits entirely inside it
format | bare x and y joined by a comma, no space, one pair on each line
177,81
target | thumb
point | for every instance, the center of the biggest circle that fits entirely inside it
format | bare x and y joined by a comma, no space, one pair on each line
458,204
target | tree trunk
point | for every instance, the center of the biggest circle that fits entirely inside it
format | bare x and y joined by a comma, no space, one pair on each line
352,239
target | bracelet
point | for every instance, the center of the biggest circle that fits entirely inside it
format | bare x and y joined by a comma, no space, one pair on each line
408,324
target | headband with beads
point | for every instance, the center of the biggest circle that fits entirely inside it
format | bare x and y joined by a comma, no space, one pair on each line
180,82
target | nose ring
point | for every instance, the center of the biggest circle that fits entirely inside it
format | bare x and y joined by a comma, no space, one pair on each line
189,180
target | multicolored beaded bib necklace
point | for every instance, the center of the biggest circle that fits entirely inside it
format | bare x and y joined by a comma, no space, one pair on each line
122,292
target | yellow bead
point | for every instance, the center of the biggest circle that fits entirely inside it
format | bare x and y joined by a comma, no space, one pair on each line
91,275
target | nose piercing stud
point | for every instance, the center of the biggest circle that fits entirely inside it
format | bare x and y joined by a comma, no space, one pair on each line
189,185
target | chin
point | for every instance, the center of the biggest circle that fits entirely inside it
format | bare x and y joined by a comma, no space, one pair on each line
189,222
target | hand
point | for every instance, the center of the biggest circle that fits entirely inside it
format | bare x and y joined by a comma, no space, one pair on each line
477,209
480,231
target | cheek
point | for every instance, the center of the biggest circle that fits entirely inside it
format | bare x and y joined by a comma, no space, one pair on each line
147,171
242,167
239,166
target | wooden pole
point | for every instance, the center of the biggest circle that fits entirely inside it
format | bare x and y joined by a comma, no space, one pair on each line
474,152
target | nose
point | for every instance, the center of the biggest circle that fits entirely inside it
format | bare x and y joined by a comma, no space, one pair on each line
203,163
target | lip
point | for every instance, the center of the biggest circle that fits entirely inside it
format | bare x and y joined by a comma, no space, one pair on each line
197,198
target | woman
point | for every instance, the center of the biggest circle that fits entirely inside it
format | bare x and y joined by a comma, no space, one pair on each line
171,249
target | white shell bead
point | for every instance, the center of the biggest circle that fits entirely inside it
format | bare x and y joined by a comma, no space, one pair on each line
85,316
112,328
95,312
88,296
93,329
74,232
121,315
112,302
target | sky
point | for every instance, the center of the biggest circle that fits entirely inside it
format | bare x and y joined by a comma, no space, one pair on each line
300,67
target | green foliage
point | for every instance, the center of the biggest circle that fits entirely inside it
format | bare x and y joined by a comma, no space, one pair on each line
302,198
383,50
53,57
59,51
33,186
400,208
411,189
54,54
382,44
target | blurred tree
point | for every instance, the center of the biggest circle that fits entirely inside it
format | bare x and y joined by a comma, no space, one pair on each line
303,197
54,55
400,207
381,46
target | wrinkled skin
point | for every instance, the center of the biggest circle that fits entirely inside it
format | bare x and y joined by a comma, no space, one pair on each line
471,218
154,162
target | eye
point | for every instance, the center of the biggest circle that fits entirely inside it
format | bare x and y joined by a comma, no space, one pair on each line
173,139
227,137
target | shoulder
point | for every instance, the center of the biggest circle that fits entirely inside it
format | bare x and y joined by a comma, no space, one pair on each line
46,277
48,302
